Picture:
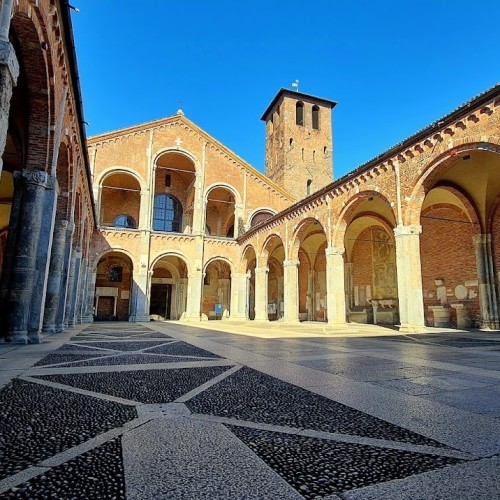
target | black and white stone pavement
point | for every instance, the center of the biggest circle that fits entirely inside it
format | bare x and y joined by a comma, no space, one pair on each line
167,410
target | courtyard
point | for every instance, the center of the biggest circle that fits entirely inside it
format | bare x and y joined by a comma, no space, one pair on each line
250,410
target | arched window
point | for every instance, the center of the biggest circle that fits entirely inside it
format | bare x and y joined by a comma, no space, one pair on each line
116,274
126,221
259,217
315,117
309,182
299,113
167,213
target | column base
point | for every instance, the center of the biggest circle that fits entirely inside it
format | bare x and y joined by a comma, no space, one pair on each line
60,328
237,318
17,337
87,319
49,329
35,337
412,329
191,319
290,321
139,319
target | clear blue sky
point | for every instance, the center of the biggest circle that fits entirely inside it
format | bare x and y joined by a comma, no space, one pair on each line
393,66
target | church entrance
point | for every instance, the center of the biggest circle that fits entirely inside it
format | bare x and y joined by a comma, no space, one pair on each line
161,300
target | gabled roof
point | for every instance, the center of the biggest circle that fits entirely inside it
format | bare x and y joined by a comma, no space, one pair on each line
296,95
192,125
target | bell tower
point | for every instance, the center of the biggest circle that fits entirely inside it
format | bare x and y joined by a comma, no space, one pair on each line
299,144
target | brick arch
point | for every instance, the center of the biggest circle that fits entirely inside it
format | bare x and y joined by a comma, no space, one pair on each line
243,263
263,255
346,215
228,261
29,34
436,167
95,262
173,253
298,233
471,210
224,185
121,170
180,151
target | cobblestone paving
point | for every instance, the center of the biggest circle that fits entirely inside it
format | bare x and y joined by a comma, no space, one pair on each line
57,441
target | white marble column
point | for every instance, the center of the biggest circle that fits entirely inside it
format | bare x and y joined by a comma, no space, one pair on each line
291,287
239,292
411,298
261,289
487,290
335,286
88,308
139,310
194,291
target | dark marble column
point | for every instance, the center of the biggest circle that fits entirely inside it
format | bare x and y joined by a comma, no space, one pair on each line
74,273
45,241
65,279
9,71
56,278
24,273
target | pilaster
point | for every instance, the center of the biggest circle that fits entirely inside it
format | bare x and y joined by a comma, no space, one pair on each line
193,306
139,311
411,297
239,293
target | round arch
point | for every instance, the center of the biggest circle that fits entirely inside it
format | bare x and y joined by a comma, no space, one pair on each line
179,151
228,261
303,228
437,167
172,253
108,172
263,254
224,185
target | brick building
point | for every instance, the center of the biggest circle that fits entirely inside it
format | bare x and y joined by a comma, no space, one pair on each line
184,229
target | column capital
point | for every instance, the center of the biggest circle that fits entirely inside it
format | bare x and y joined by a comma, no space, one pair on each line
261,270
481,238
35,177
334,251
291,263
412,229
8,58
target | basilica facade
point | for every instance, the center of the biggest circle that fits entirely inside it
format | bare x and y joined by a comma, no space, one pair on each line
161,221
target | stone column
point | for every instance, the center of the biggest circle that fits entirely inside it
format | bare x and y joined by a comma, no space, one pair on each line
411,298
9,72
310,295
88,308
45,241
335,287
139,311
65,279
239,292
261,289
486,277
76,260
224,285
194,290
81,290
55,281
24,274
291,286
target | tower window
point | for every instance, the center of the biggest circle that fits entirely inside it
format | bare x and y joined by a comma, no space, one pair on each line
314,156
291,141
168,180
302,153
299,113
308,187
315,117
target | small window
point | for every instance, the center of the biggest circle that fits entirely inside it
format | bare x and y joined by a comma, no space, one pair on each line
291,141
302,153
168,180
315,117
299,113
314,156
308,188
115,274
325,149
125,221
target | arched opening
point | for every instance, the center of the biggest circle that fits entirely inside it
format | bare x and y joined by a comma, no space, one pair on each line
220,212
168,288
311,242
216,290
260,216
370,262
175,177
299,113
167,213
114,279
308,187
250,260
457,249
275,285
120,201
315,117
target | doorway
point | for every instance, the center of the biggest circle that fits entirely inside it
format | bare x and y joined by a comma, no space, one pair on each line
161,300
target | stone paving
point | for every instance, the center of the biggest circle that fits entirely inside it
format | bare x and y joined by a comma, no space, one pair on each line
239,411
